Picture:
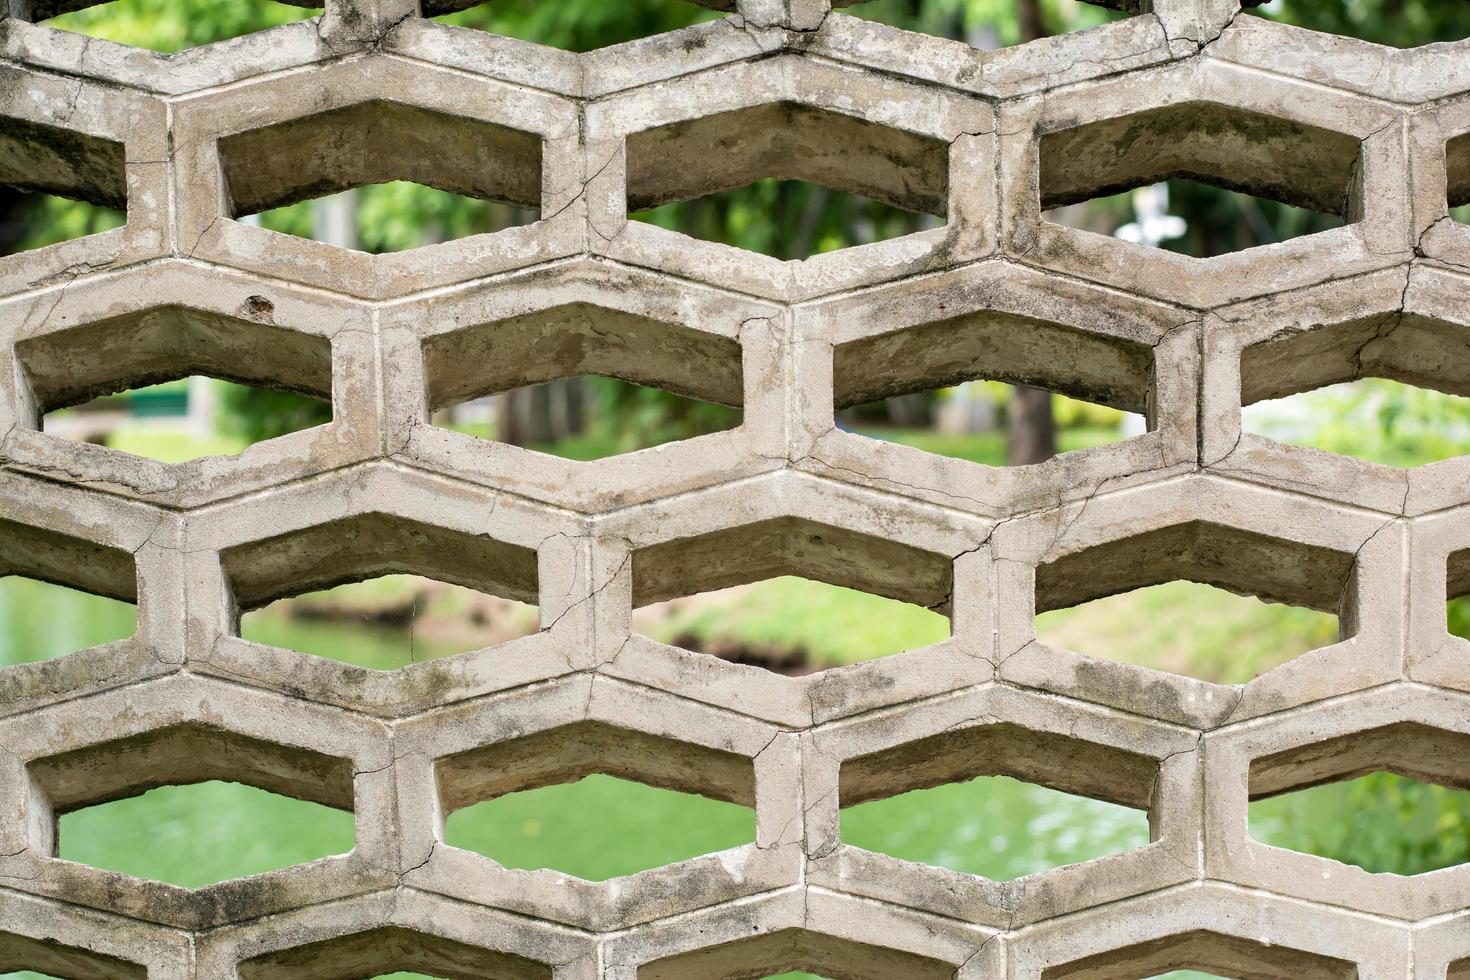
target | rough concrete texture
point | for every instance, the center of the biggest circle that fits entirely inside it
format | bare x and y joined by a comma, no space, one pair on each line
983,140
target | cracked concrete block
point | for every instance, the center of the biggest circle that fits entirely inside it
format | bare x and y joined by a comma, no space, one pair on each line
983,142
1210,927
1417,734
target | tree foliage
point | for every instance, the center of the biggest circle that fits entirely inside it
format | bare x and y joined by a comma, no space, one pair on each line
1382,822
1400,23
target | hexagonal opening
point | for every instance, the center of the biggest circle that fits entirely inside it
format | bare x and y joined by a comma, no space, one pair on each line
427,162
1457,175
188,418
470,577
390,622
60,594
1459,970
44,621
1205,953
815,596
665,802
587,418
590,828
57,185
1400,795
1269,163
780,953
1188,628
791,625
900,179
1192,218
787,219
191,804
1268,600
1372,419
275,381
998,801
392,951
598,26
994,388
157,27
1401,26
24,958
991,423
1389,388
1457,591
584,381
989,29
201,834
392,217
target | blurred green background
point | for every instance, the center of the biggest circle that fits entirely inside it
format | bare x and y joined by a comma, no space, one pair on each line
602,827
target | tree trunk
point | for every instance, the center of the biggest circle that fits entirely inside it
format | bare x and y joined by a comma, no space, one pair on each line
1031,430
15,209
537,420
908,411
576,406
507,429
1033,25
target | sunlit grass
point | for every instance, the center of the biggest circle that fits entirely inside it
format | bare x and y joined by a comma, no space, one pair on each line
828,624
1190,629
167,26
175,447
147,422
1373,419
988,448
593,26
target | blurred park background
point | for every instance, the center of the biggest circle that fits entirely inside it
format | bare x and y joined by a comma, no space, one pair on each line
604,827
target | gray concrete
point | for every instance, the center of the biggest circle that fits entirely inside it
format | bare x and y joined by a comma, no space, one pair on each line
983,140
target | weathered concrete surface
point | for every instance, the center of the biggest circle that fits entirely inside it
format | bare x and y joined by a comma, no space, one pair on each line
983,141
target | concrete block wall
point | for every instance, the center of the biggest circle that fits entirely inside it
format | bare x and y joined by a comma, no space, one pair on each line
984,140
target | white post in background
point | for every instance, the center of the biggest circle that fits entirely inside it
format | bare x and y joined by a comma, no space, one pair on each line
1152,225
334,219
203,401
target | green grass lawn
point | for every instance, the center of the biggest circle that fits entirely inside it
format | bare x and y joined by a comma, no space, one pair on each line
583,448
174,447
832,625
988,448
1189,629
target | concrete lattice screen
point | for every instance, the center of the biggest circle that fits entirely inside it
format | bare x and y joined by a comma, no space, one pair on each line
373,91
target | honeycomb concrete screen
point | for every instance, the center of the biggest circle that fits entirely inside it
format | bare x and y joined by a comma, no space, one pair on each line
984,143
